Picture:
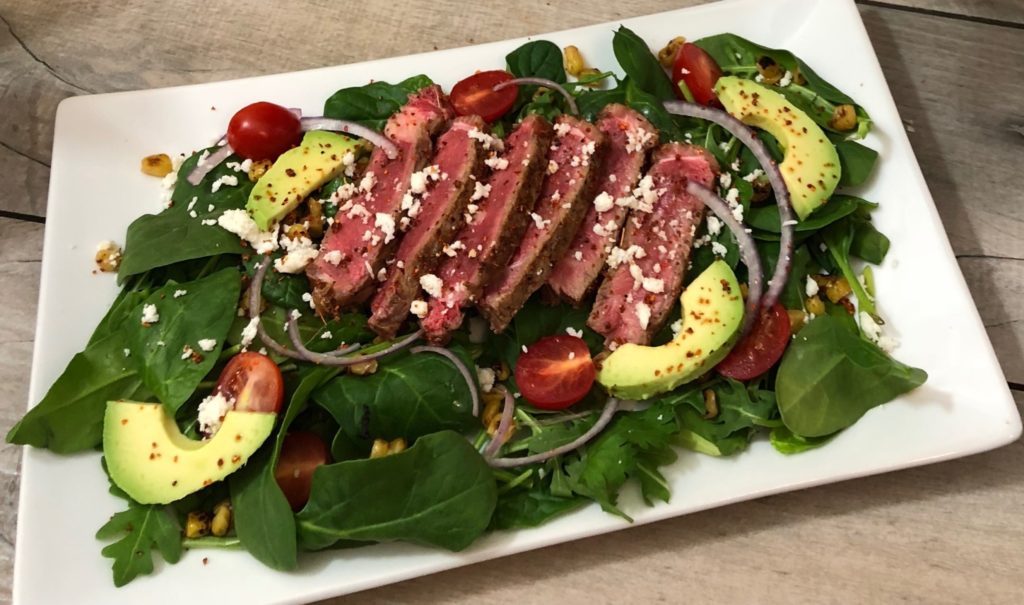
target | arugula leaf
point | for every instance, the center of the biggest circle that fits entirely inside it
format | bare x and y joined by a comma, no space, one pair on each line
372,104
141,528
786,442
158,240
830,377
530,508
741,410
440,492
70,416
204,312
537,59
408,396
640,64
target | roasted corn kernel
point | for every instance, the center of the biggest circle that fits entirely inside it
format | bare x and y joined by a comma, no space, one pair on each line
667,55
197,524
108,257
379,449
258,169
590,72
503,372
844,118
836,288
710,404
364,368
221,522
157,165
315,221
296,231
574,64
797,319
492,409
396,446
770,71
814,305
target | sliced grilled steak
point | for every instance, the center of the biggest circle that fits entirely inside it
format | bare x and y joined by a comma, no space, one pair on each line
573,161
365,232
495,228
630,136
452,181
639,291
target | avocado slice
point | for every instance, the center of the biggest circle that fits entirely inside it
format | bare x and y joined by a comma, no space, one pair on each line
149,458
297,173
712,316
811,164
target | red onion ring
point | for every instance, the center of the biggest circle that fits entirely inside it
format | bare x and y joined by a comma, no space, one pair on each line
610,407
324,359
256,303
461,367
203,168
545,83
746,136
502,434
748,248
353,128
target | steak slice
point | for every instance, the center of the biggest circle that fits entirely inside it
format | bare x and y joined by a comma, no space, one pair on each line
493,231
630,136
364,232
573,161
438,213
645,274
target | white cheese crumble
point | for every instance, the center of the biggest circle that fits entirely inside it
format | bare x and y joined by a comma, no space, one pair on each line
212,411
480,191
617,256
718,249
239,222
187,352
367,182
750,178
485,376
249,332
873,331
150,315
538,221
574,332
562,128
495,163
301,252
418,308
228,179
653,285
578,255
603,202
486,140
453,249
725,179
787,79
811,287
552,166
431,284
308,299
326,335
676,327
637,139
714,225
386,223
333,257
207,344
643,314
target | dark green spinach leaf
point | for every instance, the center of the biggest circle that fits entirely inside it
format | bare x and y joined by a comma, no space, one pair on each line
640,64
856,161
372,104
537,59
786,442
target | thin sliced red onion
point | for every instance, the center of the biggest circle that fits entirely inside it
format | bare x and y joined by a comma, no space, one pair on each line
324,359
610,407
503,432
203,167
466,375
630,405
353,128
748,248
746,136
545,83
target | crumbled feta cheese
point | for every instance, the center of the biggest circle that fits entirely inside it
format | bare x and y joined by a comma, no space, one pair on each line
718,249
637,139
574,332
367,182
212,411
431,284
676,327
239,222
418,308
207,344
349,162
732,196
485,376
873,331
333,257
193,214
562,128
382,275
127,352
603,202
486,140
653,285
725,179
308,299
617,256
645,195
495,163
386,223
453,249
552,166
249,332
209,222
787,79
326,335
811,287
578,255
714,225
150,315
643,314
228,179
750,178
187,352
538,221
301,252
210,207
480,191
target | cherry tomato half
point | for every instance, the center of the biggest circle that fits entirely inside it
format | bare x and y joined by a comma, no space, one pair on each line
263,131
555,372
699,71
253,381
301,453
475,95
762,347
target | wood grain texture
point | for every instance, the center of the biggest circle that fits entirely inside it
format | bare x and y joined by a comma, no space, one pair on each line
1010,11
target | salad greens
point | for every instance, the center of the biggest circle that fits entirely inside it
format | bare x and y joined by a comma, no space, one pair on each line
437,489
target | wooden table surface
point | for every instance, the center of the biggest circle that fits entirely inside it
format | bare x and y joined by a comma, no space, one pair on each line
948,533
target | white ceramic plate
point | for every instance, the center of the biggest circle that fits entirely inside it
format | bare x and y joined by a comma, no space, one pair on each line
96,190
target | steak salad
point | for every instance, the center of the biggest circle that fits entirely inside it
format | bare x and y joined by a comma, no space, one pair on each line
426,315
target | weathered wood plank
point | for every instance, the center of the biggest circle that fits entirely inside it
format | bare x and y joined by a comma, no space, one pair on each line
1010,11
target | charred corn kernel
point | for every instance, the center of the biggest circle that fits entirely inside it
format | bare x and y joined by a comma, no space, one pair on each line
744,290
667,55
503,372
108,257
844,117
847,305
221,522
492,408
814,305
258,168
315,221
762,190
590,72
710,404
574,64
296,231
837,288
770,71
157,165
396,446
364,368
797,319
197,525
798,78
379,449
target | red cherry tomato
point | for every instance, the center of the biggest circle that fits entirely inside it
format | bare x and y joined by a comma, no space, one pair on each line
475,95
301,453
762,347
263,131
253,381
555,372
699,71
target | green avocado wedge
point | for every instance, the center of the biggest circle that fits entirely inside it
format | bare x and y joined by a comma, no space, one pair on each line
712,316
153,462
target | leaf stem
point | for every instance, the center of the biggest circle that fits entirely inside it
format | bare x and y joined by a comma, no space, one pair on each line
212,542
516,482
528,420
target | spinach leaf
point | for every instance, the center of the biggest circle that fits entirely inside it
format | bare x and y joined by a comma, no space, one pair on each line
829,377
786,442
591,102
282,289
868,243
139,530
537,59
794,292
408,396
856,161
167,352
538,319
119,312
440,492
640,64
766,218
372,104
70,416
530,508
174,235
839,237
650,106
262,516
